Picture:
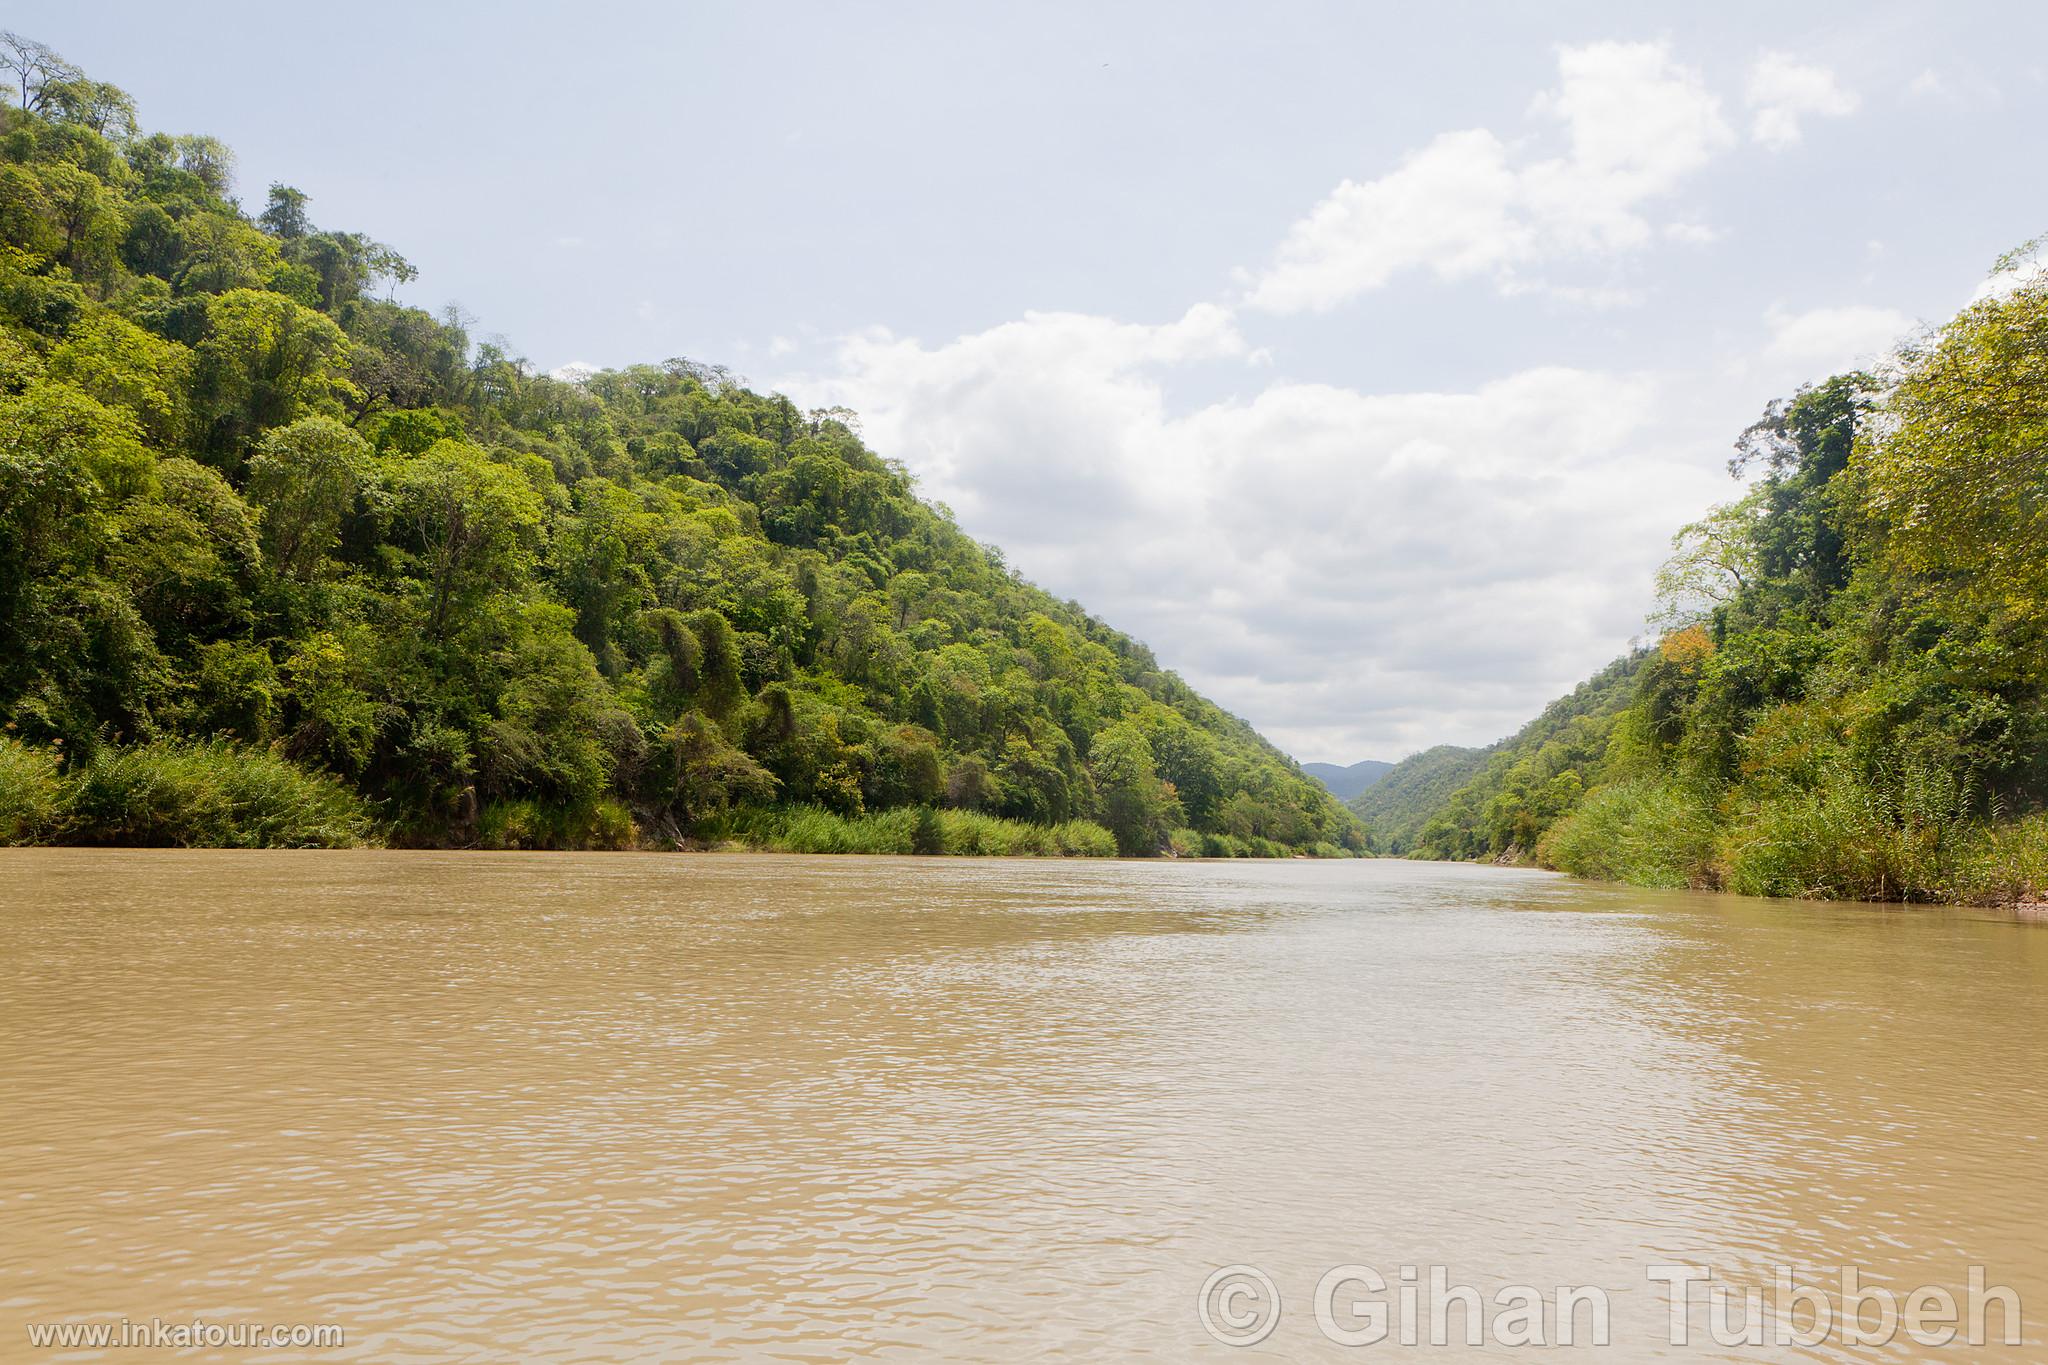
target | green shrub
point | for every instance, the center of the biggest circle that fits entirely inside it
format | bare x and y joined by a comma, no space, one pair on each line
611,827
1645,833
1818,845
1896,836
31,793
526,824
974,834
208,795
971,834
2002,864
1084,839
814,829
910,829
513,824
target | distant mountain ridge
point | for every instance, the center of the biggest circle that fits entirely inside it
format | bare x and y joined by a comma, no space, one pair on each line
1345,783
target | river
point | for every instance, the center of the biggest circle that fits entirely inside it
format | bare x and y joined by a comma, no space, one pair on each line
566,1108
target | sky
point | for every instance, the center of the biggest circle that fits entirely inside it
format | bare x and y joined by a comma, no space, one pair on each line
1360,359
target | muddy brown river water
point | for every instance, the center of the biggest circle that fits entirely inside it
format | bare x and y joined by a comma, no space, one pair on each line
559,1107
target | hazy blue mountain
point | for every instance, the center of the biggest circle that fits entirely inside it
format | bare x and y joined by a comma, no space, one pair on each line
1345,783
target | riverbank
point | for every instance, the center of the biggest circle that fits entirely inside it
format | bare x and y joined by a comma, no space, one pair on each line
2000,865
226,796
1819,849
175,795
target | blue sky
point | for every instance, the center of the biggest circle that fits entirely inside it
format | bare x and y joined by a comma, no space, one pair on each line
1361,359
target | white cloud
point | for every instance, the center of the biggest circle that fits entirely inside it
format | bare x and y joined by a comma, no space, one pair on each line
575,372
1827,340
1635,125
1596,297
1365,574
1965,87
1783,91
1692,234
1451,207
1007,424
2000,283
1928,85
1361,573
1639,125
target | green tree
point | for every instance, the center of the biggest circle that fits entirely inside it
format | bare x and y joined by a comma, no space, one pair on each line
704,775
265,362
304,480
498,604
1138,808
126,367
468,527
1957,472
35,67
285,214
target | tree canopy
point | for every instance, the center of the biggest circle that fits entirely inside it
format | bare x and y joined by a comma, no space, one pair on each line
248,499
1850,695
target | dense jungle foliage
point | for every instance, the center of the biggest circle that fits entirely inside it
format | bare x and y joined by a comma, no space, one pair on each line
1850,697
283,561
1396,807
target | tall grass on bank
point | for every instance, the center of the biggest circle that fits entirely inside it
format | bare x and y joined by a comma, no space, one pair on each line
1910,837
1835,841
31,793
907,830
605,825
923,829
1191,843
1644,833
2003,864
205,795
1834,845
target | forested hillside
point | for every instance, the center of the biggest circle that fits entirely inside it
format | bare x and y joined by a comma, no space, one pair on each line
1498,803
1395,807
285,561
1851,695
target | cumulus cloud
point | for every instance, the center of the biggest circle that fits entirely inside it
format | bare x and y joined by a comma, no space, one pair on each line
1360,573
1634,123
1450,207
2015,275
1368,573
1783,91
1007,425
1823,341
